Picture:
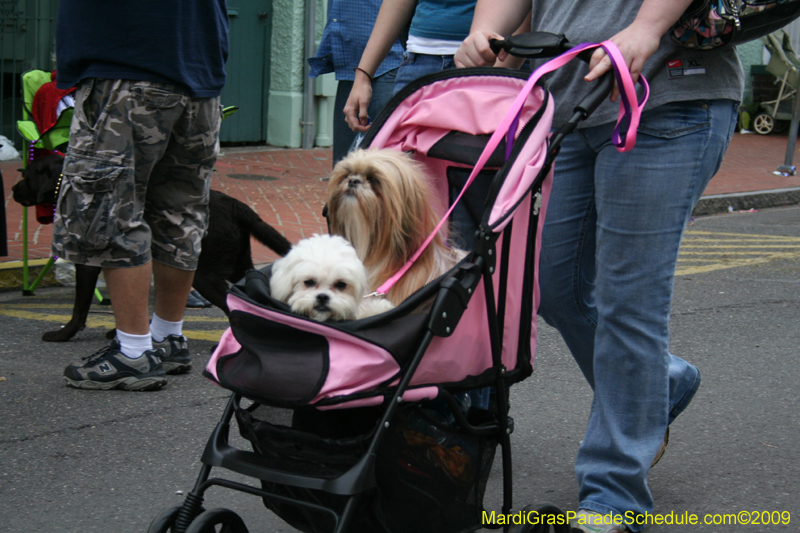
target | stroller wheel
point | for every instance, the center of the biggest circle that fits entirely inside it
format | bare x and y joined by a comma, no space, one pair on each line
763,124
217,521
164,522
781,126
542,518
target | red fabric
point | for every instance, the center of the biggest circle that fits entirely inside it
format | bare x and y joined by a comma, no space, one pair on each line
44,213
45,102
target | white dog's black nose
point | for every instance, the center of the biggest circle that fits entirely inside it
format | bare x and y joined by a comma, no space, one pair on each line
323,298
354,181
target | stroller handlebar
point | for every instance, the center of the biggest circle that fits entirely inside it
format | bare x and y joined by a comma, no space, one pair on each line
535,44
538,44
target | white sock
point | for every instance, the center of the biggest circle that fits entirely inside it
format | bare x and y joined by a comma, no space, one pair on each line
134,346
160,329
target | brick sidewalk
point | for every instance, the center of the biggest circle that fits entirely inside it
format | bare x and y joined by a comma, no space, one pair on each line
749,164
287,187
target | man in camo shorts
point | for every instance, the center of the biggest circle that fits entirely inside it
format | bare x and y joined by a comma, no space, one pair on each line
135,188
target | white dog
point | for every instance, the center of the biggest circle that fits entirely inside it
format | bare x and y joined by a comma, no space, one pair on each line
322,278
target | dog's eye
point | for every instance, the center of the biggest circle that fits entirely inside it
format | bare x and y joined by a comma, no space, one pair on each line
340,285
370,179
310,283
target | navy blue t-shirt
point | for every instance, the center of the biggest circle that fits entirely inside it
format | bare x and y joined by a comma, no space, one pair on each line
184,42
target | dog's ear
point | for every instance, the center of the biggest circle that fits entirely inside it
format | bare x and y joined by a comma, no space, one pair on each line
280,285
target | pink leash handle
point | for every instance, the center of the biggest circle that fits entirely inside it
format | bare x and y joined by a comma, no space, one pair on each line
630,113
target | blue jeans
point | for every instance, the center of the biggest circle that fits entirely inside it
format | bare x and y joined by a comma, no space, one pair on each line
417,65
609,250
343,136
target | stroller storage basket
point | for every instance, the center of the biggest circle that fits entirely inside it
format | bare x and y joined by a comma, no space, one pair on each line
425,463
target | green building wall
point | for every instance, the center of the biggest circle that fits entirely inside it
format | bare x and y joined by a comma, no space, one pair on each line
288,75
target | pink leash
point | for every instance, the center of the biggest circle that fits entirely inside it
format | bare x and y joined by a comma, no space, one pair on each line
630,111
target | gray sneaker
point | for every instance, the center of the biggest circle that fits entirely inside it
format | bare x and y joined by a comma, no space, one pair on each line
109,369
176,358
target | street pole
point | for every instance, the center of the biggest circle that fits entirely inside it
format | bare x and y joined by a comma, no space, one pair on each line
308,96
788,169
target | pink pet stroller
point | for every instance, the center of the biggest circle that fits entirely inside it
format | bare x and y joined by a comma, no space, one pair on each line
381,437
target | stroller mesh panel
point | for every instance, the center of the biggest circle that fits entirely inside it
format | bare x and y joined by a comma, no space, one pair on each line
300,452
475,204
465,148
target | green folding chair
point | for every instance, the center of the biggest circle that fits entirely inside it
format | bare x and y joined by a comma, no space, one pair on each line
56,138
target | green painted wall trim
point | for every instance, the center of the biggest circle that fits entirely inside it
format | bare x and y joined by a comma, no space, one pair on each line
325,98
285,114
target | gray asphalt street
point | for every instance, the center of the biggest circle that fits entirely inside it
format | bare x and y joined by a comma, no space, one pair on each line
80,461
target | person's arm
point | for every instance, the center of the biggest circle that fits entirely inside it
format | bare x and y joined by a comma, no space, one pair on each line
640,40
510,61
490,22
393,16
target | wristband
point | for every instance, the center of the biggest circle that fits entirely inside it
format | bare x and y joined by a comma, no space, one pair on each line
365,72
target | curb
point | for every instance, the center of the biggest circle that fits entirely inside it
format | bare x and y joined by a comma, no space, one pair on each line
725,203
11,278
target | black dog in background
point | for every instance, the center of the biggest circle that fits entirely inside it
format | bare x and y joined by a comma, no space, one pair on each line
225,256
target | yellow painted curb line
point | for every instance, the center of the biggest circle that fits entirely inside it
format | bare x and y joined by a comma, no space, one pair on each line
11,274
19,264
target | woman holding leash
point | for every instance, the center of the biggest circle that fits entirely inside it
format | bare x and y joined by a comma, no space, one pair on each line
614,225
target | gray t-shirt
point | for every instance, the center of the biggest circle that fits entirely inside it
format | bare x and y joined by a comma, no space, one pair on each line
673,72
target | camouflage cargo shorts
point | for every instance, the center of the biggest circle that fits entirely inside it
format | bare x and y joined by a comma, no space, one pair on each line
136,178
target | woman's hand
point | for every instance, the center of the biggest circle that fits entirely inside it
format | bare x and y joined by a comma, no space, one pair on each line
476,52
637,43
640,40
356,109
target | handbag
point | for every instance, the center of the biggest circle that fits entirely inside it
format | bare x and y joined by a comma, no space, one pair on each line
711,24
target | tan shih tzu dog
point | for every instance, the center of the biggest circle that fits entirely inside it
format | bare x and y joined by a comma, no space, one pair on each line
380,201
322,278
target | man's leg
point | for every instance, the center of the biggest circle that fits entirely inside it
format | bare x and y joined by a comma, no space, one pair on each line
129,289
177,214
643,205
99,223
129,363
172,287
343,136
